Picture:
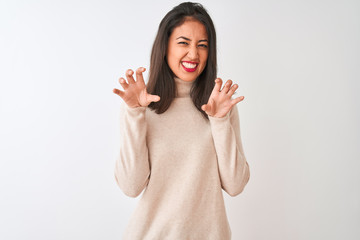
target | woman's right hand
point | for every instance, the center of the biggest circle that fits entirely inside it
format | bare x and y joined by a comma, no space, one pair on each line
135,93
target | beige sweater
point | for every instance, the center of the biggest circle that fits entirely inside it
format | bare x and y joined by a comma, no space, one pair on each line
183,162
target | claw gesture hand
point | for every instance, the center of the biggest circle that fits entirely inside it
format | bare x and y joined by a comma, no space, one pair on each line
135,93
220,102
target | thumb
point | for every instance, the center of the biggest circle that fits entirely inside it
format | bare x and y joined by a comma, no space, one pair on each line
154,98
204,107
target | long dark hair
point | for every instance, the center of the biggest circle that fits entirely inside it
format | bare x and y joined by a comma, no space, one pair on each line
160,74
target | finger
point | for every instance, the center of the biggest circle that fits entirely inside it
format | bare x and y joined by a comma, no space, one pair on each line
226,88
236,100
123,83
212,106
218,83
154,98
129,76
232,89
209,107
118,92
139,75
204,107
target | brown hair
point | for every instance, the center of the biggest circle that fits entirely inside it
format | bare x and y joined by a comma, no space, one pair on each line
160,73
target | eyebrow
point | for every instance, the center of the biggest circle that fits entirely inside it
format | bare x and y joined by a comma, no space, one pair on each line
203,40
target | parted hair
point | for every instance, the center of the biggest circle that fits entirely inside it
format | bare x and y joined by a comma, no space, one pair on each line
161,78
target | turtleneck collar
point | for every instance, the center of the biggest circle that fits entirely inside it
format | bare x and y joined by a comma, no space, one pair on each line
183,87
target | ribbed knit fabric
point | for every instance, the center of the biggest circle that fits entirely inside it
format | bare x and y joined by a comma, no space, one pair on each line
183,162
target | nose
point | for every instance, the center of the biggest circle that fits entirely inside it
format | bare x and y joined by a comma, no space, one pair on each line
193,53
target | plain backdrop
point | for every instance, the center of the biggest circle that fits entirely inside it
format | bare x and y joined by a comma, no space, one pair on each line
296,63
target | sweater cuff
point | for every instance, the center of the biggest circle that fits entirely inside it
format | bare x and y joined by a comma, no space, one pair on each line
219,120
135,109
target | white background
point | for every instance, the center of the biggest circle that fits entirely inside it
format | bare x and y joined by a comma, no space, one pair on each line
296,63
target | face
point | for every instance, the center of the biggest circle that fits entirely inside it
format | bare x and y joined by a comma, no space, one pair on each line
188,50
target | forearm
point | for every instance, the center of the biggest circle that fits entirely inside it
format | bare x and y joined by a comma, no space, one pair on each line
132,168
233,168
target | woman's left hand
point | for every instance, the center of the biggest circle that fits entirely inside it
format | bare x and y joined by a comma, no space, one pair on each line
220,101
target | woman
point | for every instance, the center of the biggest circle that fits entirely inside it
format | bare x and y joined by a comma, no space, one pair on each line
181,139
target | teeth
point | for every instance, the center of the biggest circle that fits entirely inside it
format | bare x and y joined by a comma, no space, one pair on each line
188,65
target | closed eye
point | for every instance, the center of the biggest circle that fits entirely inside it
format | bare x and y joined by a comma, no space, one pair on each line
201,45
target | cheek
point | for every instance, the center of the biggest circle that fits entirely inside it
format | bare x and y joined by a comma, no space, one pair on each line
174,56
204,58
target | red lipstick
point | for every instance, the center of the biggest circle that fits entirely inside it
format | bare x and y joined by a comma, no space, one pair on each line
191,62
189,69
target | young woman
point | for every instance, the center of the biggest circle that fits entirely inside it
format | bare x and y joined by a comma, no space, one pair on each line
181,138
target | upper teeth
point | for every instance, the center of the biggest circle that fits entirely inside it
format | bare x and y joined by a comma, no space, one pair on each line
189,65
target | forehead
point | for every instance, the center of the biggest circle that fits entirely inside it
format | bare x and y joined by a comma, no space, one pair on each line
191,28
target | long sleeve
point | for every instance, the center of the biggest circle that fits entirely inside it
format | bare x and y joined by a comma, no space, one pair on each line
132,168
233,167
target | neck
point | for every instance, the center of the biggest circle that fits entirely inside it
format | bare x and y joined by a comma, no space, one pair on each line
182,87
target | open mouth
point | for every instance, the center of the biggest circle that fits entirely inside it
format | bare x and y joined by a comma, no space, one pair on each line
189,66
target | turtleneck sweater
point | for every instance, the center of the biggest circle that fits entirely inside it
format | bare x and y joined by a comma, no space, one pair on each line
181,162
